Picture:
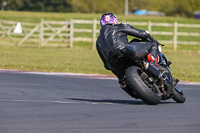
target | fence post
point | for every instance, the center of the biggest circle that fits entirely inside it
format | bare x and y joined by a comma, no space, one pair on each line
71,33
175,35
94,34
41,33
149,26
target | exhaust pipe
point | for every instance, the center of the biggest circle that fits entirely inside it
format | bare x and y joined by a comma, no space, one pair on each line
154,71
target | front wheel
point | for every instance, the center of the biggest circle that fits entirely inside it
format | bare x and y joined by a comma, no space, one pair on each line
140,88
178,95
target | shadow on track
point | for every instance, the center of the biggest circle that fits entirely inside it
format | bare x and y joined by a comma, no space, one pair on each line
113,101
108,101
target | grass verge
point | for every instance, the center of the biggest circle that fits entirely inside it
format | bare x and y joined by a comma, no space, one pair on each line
84,60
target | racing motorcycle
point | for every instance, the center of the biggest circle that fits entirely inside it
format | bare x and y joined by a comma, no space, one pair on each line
149,83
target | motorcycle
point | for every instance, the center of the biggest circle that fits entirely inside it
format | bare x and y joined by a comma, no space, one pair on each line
149,83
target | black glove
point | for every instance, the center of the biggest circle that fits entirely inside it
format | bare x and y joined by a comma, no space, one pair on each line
154,40
149,38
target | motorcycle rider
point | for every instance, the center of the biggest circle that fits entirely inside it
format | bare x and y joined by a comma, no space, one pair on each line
112,42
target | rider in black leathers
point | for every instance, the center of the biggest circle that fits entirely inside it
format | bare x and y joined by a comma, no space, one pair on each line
112,41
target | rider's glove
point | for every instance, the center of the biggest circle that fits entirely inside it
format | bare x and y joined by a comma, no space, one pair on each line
149,38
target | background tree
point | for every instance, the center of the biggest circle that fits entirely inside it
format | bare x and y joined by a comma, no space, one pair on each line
186,7
183,8
98,6
39,5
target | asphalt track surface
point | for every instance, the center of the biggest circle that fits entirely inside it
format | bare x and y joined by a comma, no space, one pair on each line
37,103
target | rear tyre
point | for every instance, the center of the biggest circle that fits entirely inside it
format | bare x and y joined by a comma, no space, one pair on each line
140,88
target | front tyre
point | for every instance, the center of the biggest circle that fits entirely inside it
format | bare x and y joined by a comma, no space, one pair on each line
178,95
140,88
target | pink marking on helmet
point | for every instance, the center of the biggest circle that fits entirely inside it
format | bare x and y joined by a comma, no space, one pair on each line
108,18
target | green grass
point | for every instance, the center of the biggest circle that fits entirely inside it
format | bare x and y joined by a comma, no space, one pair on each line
185,65
37,16
84,60
74,60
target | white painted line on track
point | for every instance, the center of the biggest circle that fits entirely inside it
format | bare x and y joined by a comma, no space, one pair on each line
95,76
61,102
80,75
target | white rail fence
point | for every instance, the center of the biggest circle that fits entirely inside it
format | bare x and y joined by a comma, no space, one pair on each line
46,33
61,33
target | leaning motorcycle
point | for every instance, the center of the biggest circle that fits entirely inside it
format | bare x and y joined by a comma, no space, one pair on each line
149,83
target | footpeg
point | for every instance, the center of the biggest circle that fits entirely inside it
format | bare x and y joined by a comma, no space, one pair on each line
122,84
177,80
169,63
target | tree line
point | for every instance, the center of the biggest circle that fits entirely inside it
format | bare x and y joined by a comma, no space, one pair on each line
183,8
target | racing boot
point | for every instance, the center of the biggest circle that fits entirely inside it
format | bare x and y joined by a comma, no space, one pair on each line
153,60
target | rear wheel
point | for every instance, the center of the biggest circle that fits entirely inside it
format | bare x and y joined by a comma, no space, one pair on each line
147,92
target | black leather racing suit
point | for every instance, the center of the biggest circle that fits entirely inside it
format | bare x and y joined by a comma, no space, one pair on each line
112,41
